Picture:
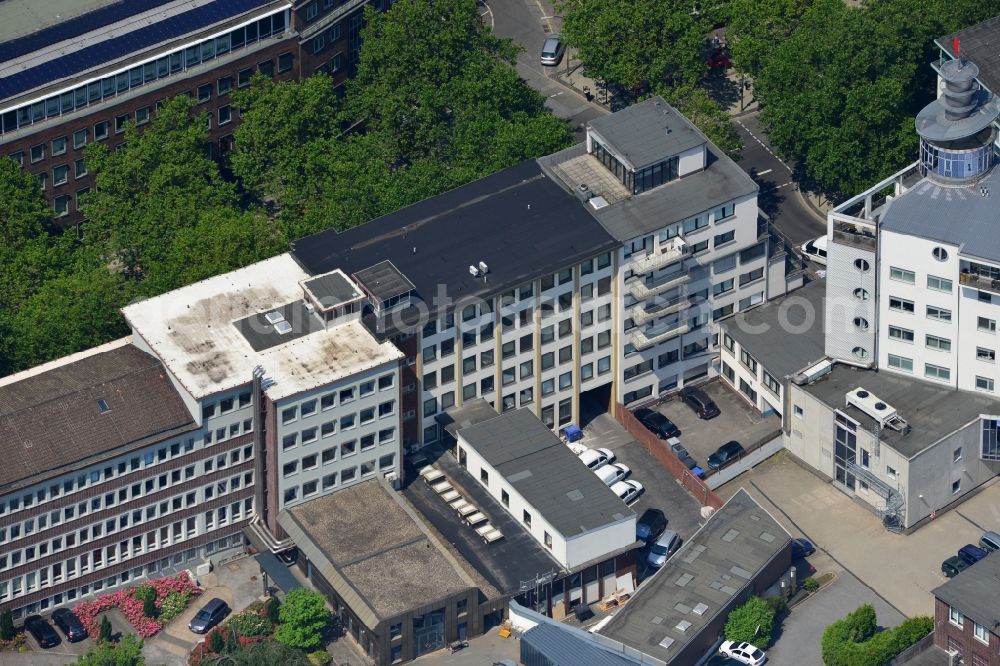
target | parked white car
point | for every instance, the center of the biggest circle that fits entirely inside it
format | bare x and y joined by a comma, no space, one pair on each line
595,458
815,250
629,491
744,653
612,472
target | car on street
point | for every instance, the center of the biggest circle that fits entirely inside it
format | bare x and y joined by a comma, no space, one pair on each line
745,653
725,454
651,524
552,50
612,473
210,615
70,624
42,631
971,554
594,458
699,401
657,423
628,491
663,548
953,566
802,548
815,250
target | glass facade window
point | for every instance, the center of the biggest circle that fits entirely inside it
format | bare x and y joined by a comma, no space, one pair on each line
954,163
639,181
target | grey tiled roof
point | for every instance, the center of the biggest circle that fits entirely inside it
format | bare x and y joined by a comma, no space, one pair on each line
51,420
648,132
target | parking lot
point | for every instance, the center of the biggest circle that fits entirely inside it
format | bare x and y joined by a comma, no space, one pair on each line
662,490
738,421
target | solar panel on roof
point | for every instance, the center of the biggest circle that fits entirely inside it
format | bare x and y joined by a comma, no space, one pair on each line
97,54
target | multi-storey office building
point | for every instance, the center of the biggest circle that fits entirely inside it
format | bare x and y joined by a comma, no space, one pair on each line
112,477
597,270
79,71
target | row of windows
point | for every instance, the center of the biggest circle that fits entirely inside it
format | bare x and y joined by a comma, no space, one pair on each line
226,405
109,526
97,475
120,552
328,401
347,449
124,493
140,75
346,422
349,475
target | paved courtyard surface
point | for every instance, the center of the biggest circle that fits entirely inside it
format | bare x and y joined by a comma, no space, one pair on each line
483,650
902,569
738,421
662,490
798,642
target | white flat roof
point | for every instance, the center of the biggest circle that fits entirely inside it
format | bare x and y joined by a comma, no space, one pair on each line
191,329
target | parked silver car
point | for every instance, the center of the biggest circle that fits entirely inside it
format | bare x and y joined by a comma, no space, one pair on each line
552,50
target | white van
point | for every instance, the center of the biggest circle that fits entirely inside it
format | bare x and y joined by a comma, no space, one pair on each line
815,250
612,473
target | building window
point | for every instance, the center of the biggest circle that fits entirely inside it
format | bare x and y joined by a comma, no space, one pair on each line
986,325
861,294
937,372
747,360
938,283
861,323
120,122
940,253
902,275
142,115
748,391
285,62
60,174
984,384
526,517
862,265
225,114
986,355
101,130
797,411
484,476
981,633
771,383
80,168
243,78
941,344
59,146
989,445
900,304
901,334
956,617
60,205
901,363
548,540
956,486
890,472
941,314
80,138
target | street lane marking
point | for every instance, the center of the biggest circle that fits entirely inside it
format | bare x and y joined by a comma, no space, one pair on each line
763,145
764,173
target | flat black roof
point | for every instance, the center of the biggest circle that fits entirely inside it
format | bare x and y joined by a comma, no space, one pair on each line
545,472
518,221
262,334
331,289
384,281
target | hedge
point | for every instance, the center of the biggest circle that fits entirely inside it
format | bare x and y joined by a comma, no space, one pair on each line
853,641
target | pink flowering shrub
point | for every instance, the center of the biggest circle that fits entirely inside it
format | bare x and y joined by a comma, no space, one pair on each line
90,612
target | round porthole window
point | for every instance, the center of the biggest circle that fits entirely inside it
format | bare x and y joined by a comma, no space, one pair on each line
860,352
861,323
861,294
940,254
862,265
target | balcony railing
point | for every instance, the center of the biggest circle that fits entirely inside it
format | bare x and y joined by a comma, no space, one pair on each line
854,235
980,282
640,291
644,339
641,313
656,260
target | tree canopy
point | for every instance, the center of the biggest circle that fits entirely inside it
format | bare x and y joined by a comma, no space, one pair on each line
840,85
126,652
752,622
303,616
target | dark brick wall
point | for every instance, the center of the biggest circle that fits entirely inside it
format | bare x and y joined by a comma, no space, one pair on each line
948,636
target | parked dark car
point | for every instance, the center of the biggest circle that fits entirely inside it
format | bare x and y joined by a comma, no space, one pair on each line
657,423
802,548
971,554
953,566
42,631
650,525
725,454
70,624
702,405
210,615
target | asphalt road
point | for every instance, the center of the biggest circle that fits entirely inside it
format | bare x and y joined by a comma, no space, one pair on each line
527,22
778,196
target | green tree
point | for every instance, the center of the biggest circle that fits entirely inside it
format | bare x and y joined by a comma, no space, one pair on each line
272,610
752,622
639,42
303,616
6,626
105,632
127,652
853,641
755,27
705,113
